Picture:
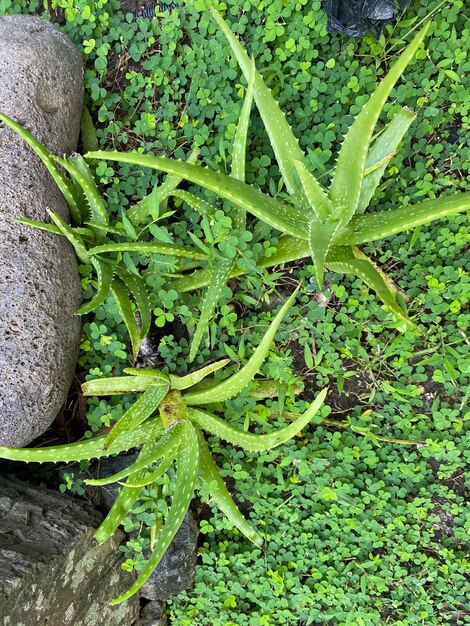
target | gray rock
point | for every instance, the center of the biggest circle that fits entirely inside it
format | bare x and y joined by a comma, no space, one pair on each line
153,614
51,569
41,87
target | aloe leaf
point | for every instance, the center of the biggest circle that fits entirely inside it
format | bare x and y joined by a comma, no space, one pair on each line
124,305
353,261
118,385
380,153
284,143
83,450
68,232
320,239
142,247
381,224
280,215
239,146
215,484
142,408
104,275
346,186
314,193
123,503
220,274
79,171
198,204
187,459
249,441
164,466
87,131
184,382
238,381
51,228
146,207
136,286
47,158
165,447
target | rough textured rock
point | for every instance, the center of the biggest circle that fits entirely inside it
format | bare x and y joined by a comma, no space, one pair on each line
153,614
51,569
41,87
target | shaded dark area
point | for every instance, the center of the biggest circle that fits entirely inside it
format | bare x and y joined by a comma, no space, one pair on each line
355,17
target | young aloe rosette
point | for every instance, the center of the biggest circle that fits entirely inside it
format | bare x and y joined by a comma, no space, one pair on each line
326,223
99,244
167,420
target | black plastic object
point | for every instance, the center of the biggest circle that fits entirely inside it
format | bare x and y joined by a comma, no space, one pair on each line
356,17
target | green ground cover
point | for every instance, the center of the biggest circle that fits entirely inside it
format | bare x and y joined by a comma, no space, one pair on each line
361,526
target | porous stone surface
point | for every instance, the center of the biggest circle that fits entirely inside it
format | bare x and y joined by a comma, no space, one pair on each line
41,87
52,571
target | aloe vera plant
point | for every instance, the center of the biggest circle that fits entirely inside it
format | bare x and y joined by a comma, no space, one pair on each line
325,223
89,236
175,436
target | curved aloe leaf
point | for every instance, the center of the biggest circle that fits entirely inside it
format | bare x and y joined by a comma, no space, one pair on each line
280,215
183,382
124,304
79,171
142,408
353,261
284,143
382,224
104,275
248,441
89,139
238,381
220,274
164,466
346,186
187,459
83,450
380,153
48,159
165,447
142,247
216,487
72,236
136,287
118,385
